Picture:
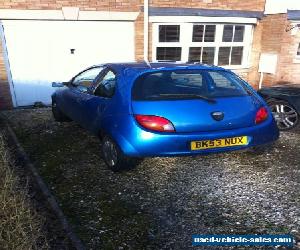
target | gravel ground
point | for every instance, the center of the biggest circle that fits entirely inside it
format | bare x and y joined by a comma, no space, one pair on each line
161,203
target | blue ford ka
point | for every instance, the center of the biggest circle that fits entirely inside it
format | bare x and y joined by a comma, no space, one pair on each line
162,109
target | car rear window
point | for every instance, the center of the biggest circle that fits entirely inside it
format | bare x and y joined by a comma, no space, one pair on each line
185,83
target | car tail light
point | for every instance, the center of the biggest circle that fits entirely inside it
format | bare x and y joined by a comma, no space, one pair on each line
155,123
261,115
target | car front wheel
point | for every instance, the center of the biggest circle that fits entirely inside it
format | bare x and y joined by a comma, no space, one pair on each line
285,115
114,158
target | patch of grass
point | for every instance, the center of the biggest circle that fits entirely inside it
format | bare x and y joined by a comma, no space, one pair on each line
20,225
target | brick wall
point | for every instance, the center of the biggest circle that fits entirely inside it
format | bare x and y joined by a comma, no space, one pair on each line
253,76
273,30
5,96
139,37
122,5
276,40
288,66
132,5
254,5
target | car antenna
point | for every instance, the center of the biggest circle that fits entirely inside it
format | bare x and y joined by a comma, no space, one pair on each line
148,63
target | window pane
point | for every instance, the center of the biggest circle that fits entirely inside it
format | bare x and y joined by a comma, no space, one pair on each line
109,83
208,55
198,33
239,34
298,51
210,31
168,53
87,77
220,80
169,33
226,84
236,55
227,33
106,87
223,57
194,54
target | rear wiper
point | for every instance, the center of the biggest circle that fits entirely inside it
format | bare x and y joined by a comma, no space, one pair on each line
183,96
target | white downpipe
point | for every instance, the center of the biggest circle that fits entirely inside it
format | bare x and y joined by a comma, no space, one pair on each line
261,80
146,29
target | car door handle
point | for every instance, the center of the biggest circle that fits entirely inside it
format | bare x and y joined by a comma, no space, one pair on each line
102,107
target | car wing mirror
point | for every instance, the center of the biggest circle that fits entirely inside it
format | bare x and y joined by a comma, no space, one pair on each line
59,84
82,89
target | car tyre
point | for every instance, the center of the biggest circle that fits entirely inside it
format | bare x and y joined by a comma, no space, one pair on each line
114,158
58,115
284,114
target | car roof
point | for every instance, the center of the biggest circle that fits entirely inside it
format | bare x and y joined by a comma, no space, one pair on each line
139,67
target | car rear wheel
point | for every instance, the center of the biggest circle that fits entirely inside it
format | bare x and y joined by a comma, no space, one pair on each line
114,158
57,114
285,115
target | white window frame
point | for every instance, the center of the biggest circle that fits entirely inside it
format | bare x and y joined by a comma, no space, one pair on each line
298,47
297,57
294,32
185,41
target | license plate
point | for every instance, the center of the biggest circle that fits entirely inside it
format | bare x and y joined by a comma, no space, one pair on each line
219,143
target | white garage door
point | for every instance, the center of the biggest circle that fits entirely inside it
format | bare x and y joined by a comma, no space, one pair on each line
41,52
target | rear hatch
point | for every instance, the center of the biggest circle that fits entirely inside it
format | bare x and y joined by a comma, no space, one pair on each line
190,99
197,115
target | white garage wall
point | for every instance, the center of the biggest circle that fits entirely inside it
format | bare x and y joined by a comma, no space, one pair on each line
39,52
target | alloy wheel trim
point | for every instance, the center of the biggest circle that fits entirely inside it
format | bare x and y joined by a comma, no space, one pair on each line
285,115
110,153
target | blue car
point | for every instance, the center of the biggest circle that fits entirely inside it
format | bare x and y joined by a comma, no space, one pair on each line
163,109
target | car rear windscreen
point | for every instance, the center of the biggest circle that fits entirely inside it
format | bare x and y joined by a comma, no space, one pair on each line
179,84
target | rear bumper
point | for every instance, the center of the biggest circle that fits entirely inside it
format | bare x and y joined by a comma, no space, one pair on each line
140,143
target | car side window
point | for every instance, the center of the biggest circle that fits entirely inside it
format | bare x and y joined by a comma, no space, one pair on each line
221,81
85,79
107,84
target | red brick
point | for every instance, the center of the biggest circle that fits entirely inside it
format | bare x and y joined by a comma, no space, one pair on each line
5,97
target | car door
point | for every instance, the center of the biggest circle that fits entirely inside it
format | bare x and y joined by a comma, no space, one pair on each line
78,92
94,107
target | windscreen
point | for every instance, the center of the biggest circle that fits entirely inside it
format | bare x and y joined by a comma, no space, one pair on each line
187,84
